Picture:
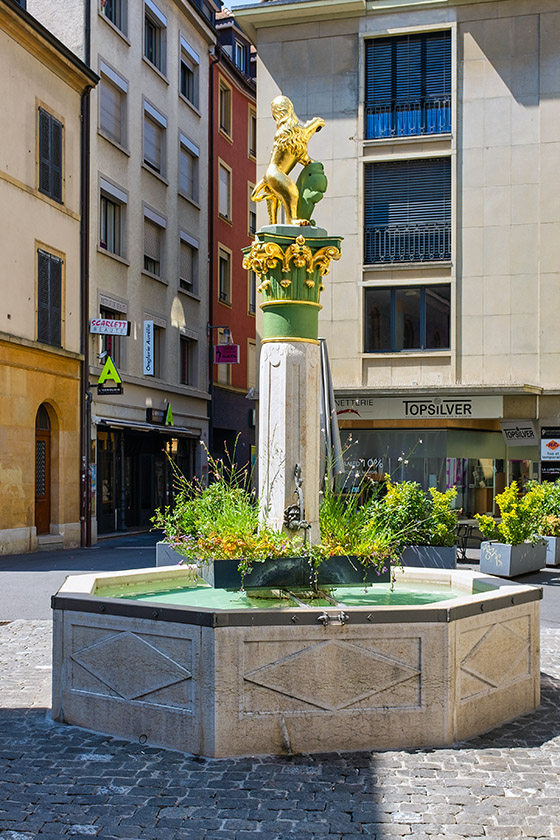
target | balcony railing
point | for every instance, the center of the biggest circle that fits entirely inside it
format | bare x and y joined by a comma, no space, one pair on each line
407,119
407,243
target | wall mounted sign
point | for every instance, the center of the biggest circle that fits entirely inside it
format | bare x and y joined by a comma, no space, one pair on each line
550,444
107,326
418,408
226,354
109,375
160,416
148,368
519,432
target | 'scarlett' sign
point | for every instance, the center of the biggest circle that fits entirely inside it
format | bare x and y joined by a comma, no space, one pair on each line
226,354
107,326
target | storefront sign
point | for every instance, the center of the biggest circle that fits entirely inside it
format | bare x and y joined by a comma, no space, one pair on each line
418,408
160,416
550,444
148,368
106,326
519,432
226,354
109,375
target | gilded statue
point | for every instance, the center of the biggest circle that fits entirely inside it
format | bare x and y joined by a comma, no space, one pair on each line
288,149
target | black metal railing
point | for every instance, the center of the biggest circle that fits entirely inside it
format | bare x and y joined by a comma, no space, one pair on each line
407,119
407,243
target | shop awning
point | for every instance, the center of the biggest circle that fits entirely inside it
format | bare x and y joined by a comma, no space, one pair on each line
143,426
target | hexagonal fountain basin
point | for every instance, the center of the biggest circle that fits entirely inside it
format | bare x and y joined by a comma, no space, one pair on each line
159,656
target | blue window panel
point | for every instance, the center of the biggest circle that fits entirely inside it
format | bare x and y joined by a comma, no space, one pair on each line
408,85
407,318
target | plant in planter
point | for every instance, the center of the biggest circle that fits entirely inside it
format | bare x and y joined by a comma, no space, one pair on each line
548,496
512,546
421,525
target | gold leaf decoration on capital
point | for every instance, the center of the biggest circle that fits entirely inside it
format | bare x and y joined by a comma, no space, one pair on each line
265,256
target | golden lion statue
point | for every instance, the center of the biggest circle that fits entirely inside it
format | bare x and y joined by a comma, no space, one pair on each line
289,147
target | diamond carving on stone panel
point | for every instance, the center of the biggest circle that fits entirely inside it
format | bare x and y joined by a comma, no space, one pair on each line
498,659
332,675
130,666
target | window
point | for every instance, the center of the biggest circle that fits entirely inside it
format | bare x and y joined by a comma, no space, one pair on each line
189,66
49,298
252,134
407,318
225,108
155,30
223,371
154,230
155,125
224,276
50,155
240,56
188,263
251,363
111,344
408,85
112,104
224,194
159,346
115,11
252,292
407,211
188,361
112,218
188,168
252,213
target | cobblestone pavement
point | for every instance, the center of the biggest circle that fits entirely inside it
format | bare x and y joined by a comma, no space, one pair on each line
60,781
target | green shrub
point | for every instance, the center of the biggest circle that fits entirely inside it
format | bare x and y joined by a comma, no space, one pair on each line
521,516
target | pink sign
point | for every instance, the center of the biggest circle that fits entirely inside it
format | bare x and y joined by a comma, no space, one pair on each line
226,354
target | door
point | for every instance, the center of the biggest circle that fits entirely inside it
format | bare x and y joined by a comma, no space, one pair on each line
42,472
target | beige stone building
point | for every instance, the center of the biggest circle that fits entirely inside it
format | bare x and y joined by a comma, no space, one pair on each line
148,235
41,84
441,147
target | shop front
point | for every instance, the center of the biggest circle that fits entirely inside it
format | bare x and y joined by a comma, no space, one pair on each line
438,441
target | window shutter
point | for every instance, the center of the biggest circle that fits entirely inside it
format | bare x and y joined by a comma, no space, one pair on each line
43,297
152,144
186,266
407,212
152,241
110,110
55,300
56,159
186,173
44,152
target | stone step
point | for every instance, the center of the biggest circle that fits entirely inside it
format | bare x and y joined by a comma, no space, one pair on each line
50,542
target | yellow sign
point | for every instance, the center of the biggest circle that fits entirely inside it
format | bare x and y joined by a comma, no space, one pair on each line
109,372
168,415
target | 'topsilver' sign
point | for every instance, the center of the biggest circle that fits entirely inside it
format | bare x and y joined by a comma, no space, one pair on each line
519,432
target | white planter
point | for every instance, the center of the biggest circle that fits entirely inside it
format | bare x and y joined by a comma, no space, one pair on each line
430,556
511,560
552,551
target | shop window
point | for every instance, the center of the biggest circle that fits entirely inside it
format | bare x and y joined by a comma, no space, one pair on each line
188,361
49,298
112,105
155,34
407,211
408,85
407,318
50,155
189,73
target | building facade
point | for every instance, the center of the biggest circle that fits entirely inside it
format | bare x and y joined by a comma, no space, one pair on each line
41,353
233,223
441,152
148,240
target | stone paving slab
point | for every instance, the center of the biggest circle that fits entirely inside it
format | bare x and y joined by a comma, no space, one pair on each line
63,782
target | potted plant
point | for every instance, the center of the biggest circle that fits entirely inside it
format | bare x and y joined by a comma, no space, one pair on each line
548,495
512,546
217,527
421,524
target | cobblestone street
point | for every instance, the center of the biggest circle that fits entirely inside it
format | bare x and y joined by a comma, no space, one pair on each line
60,781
